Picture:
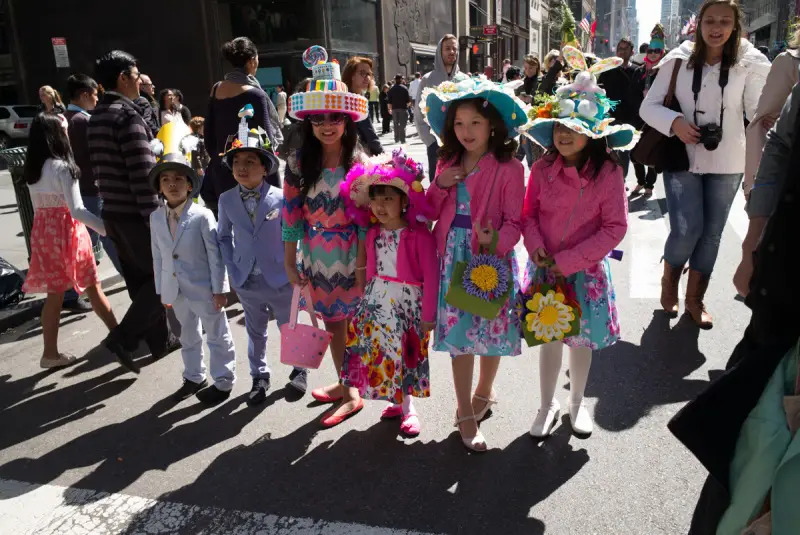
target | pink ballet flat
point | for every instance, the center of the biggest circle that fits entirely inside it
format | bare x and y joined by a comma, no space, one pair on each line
391,411
410,425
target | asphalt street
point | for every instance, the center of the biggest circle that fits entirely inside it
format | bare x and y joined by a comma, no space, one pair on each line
93,449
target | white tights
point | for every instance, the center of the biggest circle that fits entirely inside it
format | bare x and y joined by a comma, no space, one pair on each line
580,360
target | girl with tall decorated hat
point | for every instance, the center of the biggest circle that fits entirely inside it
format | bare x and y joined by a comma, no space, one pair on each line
575,214
333,257
387,343
476,199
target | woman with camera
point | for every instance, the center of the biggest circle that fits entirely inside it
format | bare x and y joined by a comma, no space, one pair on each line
719,79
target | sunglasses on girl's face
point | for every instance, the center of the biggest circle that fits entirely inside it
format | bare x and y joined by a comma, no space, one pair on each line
322,118
654,51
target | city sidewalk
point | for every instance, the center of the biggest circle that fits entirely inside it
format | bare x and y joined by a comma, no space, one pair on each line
12,248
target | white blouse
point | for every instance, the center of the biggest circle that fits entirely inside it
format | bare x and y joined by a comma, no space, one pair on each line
56,188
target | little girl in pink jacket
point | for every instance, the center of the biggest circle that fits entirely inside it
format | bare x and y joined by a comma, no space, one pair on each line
575,213
386,355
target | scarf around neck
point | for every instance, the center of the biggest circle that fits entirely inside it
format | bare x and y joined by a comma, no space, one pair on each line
240,76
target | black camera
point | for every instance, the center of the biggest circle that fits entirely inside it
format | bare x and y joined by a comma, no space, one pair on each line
710,136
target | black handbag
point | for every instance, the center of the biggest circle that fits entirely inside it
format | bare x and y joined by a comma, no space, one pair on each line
654,149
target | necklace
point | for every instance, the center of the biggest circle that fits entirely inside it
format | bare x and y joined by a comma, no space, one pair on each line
466,173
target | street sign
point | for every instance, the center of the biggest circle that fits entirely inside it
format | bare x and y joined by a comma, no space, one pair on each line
60,52
490,29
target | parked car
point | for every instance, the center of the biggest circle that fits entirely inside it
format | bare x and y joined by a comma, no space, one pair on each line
15,124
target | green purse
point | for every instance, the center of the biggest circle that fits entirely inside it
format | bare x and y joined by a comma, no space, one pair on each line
483,285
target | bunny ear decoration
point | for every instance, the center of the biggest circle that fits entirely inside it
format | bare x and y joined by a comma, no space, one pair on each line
605,64
574,58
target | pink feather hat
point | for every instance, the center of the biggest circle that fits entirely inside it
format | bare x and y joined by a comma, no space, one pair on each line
400,172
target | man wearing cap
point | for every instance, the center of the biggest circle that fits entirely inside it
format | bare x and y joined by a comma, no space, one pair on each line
190,277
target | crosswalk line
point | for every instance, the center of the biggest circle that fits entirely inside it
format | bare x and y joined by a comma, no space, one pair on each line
27,508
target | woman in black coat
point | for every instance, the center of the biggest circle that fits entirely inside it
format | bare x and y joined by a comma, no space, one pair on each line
385,115
357,75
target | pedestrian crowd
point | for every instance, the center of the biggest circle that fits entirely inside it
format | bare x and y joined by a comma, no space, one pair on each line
392,267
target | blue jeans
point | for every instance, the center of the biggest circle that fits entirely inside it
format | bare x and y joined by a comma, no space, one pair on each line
698,206
95,206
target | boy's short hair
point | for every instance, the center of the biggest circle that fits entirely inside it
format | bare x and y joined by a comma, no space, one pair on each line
79,83
197,123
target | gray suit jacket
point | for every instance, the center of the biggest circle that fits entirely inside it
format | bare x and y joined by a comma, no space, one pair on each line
191,263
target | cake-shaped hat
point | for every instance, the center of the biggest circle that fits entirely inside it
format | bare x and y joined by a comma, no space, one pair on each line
326,93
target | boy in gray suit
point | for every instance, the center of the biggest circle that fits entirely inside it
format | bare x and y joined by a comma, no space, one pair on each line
250,240
190,277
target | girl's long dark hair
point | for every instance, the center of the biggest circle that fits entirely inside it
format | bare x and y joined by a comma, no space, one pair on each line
596,152
311,154
500,144
47,139
730,52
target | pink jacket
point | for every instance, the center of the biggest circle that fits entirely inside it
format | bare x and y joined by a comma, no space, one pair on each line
506,183
417,263
576,218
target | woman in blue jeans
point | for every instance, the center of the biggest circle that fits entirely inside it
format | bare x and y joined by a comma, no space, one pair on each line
719,81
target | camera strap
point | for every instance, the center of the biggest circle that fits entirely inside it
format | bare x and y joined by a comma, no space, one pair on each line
697,82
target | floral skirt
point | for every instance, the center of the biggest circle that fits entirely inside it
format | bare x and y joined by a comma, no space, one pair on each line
595,293
461,333
385,358
61,254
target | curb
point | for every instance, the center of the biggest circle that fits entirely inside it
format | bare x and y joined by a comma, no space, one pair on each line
18,314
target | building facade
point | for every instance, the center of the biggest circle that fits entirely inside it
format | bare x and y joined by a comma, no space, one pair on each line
768,22
399,35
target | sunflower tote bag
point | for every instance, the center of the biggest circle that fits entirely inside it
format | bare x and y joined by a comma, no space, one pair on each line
483,285
550,312
303,346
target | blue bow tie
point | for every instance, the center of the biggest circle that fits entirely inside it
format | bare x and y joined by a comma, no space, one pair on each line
250,195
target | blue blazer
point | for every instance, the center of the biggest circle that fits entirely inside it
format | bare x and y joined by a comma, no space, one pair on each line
191,263
243,243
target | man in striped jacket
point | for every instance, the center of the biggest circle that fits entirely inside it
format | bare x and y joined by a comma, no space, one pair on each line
119,149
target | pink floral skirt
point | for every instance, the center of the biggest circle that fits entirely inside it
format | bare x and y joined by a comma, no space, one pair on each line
61,254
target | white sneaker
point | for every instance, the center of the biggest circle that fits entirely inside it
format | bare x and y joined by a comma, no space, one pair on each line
545,420
579,419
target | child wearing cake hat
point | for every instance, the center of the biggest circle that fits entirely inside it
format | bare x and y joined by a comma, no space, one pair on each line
190,277
250,239
387,343
575,214
332,255
477,199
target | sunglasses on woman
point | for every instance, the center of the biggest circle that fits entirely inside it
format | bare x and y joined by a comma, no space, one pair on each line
654,51
332,118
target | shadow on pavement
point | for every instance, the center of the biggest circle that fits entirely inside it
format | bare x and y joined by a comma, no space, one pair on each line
628,380
369,477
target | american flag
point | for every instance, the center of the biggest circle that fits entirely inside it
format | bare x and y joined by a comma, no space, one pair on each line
585,24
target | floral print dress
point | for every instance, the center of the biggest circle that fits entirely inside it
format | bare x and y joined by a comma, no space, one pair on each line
595,293
385,358
459,332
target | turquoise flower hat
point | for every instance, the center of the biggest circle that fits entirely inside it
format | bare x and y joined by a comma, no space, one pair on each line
436,101
581,106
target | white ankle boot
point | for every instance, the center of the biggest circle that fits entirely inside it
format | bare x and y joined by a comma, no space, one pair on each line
545,420
579,419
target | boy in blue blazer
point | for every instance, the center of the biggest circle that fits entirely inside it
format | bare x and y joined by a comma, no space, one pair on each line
190,277
249,234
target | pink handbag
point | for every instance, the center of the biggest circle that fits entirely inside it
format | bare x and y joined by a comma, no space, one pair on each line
303,346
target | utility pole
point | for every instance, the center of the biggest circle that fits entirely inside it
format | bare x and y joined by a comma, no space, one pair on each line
611,37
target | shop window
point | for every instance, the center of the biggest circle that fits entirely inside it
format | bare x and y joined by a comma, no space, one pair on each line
353,25
276,22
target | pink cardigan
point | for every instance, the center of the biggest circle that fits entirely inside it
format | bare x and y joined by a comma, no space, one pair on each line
576,218
503,210
417,263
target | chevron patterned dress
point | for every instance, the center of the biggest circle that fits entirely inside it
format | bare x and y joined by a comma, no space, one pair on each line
328,244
